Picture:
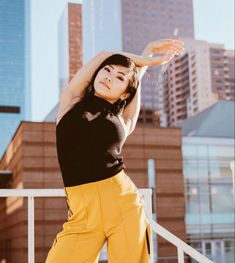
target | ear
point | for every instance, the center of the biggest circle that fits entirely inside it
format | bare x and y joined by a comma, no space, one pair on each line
125,95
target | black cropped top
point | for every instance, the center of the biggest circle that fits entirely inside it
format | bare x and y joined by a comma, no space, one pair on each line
89,139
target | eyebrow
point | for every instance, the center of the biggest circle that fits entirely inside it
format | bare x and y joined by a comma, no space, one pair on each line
118,71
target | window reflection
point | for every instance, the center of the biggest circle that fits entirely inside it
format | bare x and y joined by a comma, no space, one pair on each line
209,200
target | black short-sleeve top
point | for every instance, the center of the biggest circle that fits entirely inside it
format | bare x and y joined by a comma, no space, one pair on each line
89,140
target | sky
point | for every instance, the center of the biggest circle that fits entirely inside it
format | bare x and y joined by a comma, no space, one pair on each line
213,22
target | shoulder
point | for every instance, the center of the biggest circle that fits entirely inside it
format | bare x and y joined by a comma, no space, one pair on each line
65,104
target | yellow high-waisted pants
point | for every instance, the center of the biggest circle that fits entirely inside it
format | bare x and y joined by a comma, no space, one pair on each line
108,210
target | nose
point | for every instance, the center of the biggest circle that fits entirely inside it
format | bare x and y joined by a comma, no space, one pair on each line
107,78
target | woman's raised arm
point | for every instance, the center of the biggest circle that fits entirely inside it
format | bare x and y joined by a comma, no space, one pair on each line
76,88
169,48
78,84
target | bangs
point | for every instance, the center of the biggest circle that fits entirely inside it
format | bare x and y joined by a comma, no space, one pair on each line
118,59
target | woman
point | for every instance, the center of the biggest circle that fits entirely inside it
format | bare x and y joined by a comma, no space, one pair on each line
98,110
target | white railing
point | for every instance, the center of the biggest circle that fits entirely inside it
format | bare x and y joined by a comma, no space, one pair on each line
182,247
232,167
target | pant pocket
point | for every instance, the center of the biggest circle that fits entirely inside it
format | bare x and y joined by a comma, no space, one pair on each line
70,212
135,189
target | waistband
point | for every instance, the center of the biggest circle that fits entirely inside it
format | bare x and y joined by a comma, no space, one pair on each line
117,177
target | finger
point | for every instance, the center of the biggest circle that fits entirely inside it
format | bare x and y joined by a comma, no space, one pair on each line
165,49
179,51
167,42
158,61
176,45
163,60
172,40
169,55
176,50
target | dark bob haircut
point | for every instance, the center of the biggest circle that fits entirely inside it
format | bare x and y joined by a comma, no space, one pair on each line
117,59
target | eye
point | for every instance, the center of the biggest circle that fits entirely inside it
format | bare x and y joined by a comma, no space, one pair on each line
107,69
120,78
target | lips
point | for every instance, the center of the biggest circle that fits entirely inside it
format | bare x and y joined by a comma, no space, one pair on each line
104,84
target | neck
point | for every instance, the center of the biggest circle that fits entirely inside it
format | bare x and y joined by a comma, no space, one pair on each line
110,101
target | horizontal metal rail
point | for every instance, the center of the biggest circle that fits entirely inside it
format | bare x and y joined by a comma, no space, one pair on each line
182,247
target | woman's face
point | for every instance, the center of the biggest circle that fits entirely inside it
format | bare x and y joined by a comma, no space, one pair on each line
111,82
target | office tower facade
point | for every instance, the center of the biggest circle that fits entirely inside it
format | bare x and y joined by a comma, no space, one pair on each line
101,26
196,80
70,48
69,43
222,72
15,94
145,21
175,91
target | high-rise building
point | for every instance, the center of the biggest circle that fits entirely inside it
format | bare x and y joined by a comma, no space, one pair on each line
70,48
35,145
69,43
222,72
145,21
196,80
15,90
175,91
101,26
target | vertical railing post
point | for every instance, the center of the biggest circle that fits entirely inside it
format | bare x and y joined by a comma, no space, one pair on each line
232,164
31,229
148,205
151,185
180,255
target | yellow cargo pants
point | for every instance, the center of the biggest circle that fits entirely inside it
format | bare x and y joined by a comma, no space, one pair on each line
108,210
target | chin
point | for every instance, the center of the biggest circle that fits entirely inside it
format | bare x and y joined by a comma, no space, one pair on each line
101,92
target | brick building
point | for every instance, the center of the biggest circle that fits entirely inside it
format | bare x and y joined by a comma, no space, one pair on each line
31,157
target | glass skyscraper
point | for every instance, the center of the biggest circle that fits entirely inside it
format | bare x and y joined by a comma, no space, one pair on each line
14,68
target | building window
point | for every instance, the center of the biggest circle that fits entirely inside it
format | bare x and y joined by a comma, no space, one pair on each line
9,109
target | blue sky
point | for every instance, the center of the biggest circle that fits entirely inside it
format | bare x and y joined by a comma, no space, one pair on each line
213,22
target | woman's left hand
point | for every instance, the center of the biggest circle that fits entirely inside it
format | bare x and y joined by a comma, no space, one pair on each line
168,47
163,46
